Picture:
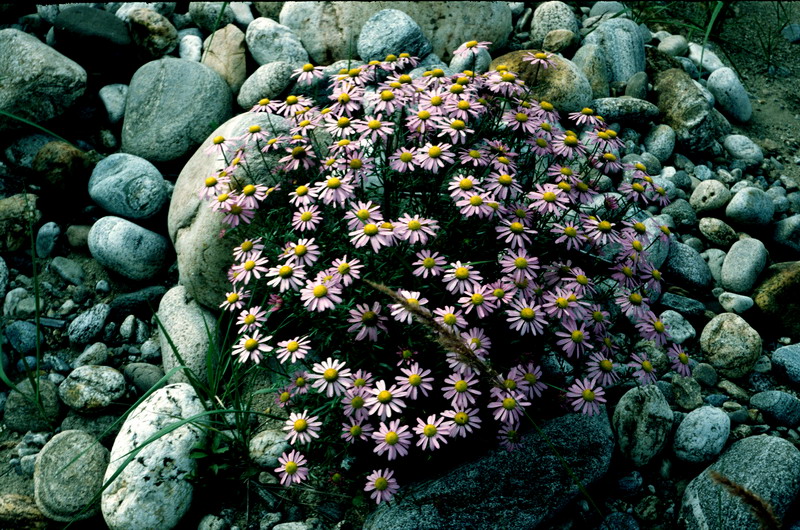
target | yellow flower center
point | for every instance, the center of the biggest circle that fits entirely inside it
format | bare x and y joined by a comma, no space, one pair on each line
211,181
449,319
355,430
505,179
290,467
647,366
562,303
571,231
635,298
391,438
292,346
356,163
461,418
306,216
436,101
587,395
508,77
683,358
374,124
223,197
521,263
330,375
577,336
541,142
250,344
381,483
527,313
429,430
370,229
659,326
456,88
300,250
477,299
462,273
320,291
521,117
549,196
428,263
509,403
387,95
369,317
414,380
464,105
292,100
458,125
604,226
406,157
298,152
384,396
218,140
606,365
461,386
333,183
434,151
344,98
475,200
249,319
571,141
499,293
300,425
423,114
264,101
249,265
233,297
517,227
546,106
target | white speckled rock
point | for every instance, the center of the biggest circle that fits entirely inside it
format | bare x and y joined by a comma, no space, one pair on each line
267,82
702,434
550,16
152,491
190,48
735,303
680,330
709,195
731,96
674,45
269,41
710,60
750,206
730,345
266,446
743,148
90,388
128,249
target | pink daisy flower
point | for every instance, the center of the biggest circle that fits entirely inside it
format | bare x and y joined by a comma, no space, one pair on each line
248,249
461,277
373,234
392,438
235,300
475,157
399,311
450,317
292,469
509,437
335,190
403,160
300,428
308,73
299,384
644,370
531,374
432,432
362,213
303,196
480,298
220,146
680,361
303,252
575,340
355,430
508,405
461,388
346,271
373,128
415,229
367,321
414,379
586,396
434,157
548,199
526,317
288,276
354,403
384,401
503,186
237,214
461,185
601,369
330,377
382,485
252,347
428,263
464,421
296,348
653,328
306,218
543,59
320,295
514,233
478,204
251,319
569,234
470,48
252,268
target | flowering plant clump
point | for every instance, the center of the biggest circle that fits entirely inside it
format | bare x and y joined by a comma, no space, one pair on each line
427,243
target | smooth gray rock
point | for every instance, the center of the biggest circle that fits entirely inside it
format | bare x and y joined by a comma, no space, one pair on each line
267,446
778,407
735,303
39,83
172,106
743,263
188,325
270,41
128,186
680,330
269,81
95,354
786,234
743,148
681,212
702,434
550,16
144,376
88,325
68,474
207,15
69,270
590,60
89,389
730,94
710,60
659,249
636,87
717,231
476,62
683,305
128,249
642,421
21,336
622,43
22,415
686,267
585,442
731,345
709,195
765,465
153,490
391,32
624,109
674,45
602,7
750,206
46,239
791,33
714,257
660,142
787,359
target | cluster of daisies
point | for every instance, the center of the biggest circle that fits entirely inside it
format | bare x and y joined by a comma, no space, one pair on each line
506,163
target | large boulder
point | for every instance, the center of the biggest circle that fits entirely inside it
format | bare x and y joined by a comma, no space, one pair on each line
154,490
684,108
766,467
225,54
526,486
551,16
730,345
38,83
173,104
564,85
778,297
329,30
621,42
203,257
642,421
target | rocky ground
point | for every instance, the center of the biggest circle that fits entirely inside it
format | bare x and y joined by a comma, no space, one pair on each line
138,91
